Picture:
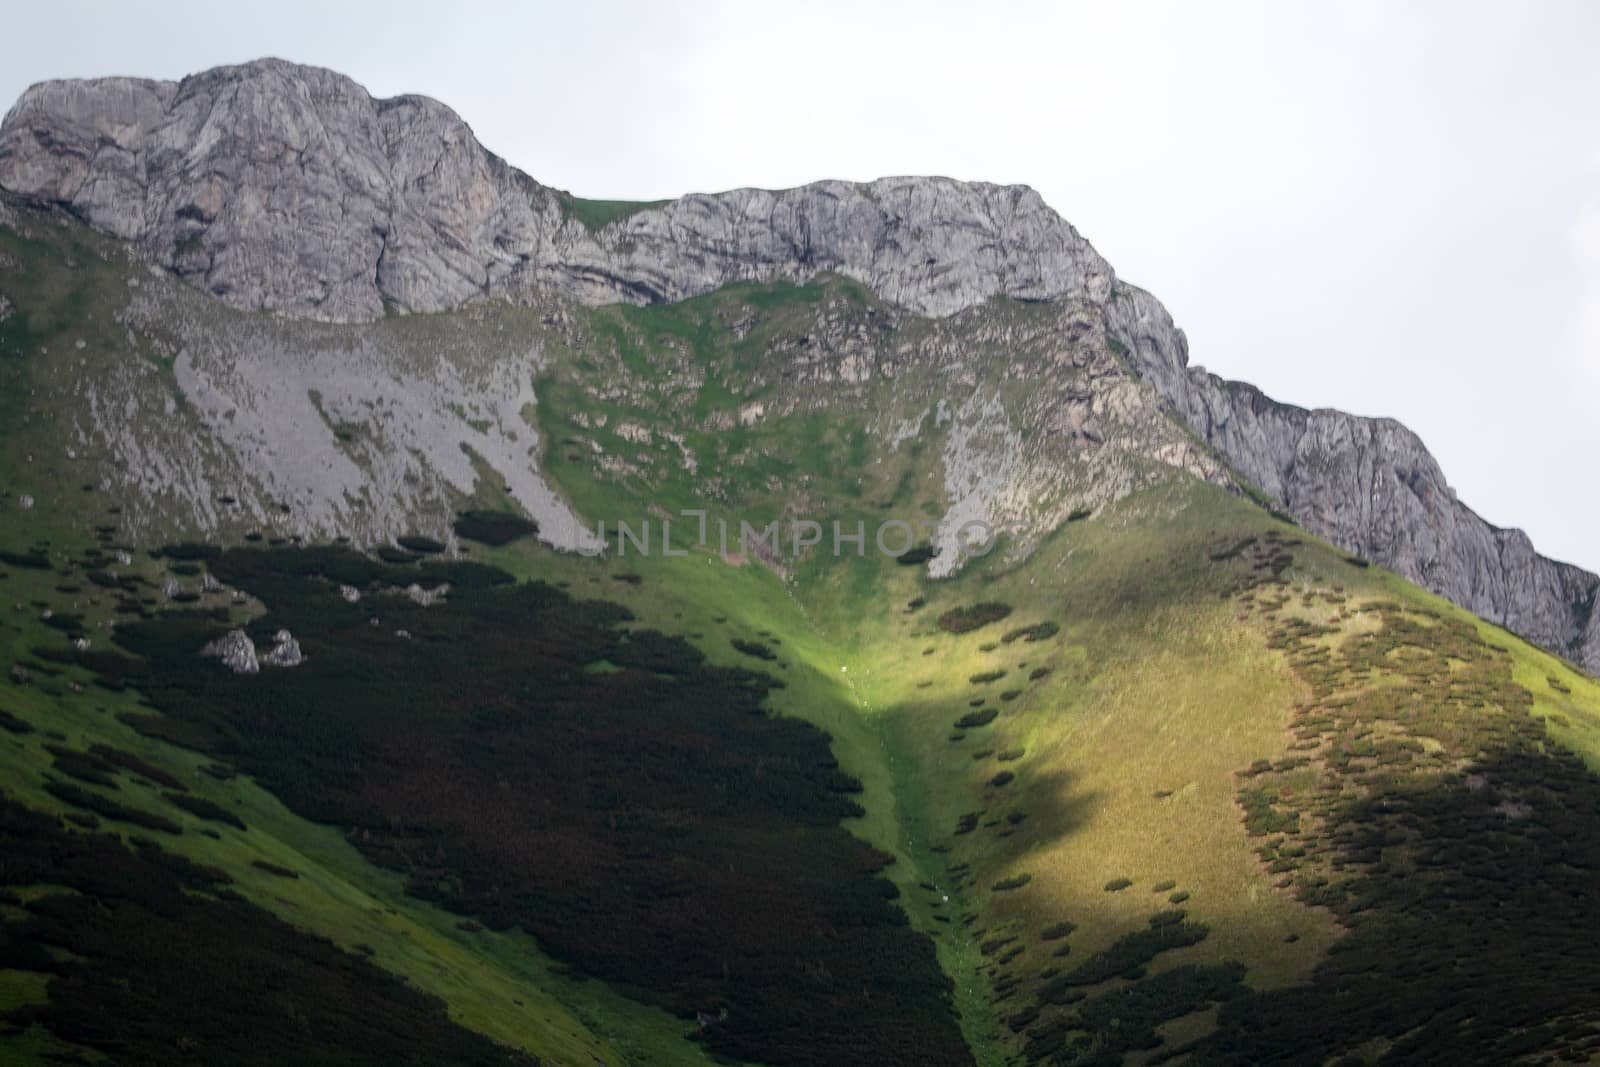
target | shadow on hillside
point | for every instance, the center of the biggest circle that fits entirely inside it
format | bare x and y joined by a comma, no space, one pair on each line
1470,903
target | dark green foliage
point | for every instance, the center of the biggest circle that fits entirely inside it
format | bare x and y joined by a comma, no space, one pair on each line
1079,514
1125,1020
1261,818
81,765
1133,951
107,808
965,620
1011,755
274,869
1164,887
915,556
493,527
12,724
754,649
1179,897
1003,778
985,677
1016,881
190,550
390,554
127,761
1117,885
599,811
981,717
419,544
32,560
159,963
205,809
1057,931
1037,632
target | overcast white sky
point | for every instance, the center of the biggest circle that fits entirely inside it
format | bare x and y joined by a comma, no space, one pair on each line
1391,209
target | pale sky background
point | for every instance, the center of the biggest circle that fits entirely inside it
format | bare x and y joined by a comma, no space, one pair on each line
1388,208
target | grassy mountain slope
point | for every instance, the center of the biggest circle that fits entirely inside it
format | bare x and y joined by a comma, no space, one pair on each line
1174,780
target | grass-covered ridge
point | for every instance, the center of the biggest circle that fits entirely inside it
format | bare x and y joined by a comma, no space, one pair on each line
598,214
1172,785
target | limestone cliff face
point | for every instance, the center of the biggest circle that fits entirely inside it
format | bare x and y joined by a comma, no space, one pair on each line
290,189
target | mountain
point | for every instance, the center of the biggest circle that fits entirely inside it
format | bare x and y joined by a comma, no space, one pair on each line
453,621
290,189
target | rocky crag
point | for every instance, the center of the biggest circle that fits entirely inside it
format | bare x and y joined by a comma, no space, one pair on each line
286,189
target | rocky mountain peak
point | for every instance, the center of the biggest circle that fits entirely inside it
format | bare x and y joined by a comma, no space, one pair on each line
289,188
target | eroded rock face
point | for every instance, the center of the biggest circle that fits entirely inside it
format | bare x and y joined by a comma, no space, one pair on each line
289,188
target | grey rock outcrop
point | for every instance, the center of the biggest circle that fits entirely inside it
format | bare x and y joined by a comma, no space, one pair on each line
236,651
285,651
289,188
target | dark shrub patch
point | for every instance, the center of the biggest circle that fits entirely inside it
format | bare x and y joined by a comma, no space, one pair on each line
1037,632
1003,778
493,527
1016,881
205,809
916,603
127,761
753,649
1079,514
107,808
1011,694
1164,887
1057,931
914,556
81,765
423,545
985,677
34,560
972,719
1261,818
190,550
1133,951
965,620
1179,897
1117,885
1011,755
273,868
12,724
